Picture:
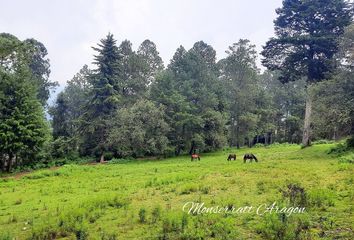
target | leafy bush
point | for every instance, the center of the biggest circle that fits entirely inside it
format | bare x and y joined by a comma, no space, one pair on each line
350,142
279,226
322,141
204,189
6,236
189,188
258,145
120,160
347,159
156,214
46,232
343,147
321,198
339,149
295,194
142,215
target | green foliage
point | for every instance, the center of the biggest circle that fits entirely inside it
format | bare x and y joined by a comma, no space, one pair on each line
142,215
144,124
156,214
295,194
23,130
278,226
76,200
321,198
40,68
193,99
6,236
306,38
306,44
103,98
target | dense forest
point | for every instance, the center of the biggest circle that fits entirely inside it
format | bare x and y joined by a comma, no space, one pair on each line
131,105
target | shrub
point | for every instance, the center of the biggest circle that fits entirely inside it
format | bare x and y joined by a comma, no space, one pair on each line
6,236
322,141
108,236
142,215
260,187
258,145
321,198
155,215
118,201
204,189
46,233
350,142
295,194
170,228
347,159
279,226
189,188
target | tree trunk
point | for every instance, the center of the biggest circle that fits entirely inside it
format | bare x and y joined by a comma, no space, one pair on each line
306,136
2,162
237,137
192,149
334,137
9,163
102,158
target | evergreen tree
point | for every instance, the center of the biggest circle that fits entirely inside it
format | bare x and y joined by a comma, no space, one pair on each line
193,98
104,98
153,63
23,129
306,41
133,81
67,111
239,75
40,68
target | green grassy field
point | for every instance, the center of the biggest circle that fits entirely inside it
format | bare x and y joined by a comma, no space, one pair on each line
144,199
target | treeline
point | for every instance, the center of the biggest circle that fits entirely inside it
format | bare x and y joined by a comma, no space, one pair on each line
131,105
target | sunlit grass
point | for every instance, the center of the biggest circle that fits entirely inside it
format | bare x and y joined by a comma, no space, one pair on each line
144,199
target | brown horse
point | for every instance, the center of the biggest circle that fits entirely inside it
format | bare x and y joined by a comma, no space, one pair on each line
231,156
195,156
249,156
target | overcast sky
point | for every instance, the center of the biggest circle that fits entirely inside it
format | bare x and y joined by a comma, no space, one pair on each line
68,28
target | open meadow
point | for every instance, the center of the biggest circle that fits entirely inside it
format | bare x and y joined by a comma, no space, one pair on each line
144,199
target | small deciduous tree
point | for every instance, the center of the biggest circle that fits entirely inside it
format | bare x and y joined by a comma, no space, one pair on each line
139,130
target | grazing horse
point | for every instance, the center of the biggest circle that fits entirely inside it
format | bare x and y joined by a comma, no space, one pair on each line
249,156
195,156
231,156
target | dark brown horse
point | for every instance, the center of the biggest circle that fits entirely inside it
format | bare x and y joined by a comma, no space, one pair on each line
249,156
231,156
195,156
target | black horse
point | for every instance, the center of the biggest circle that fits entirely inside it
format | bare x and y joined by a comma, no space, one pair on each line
249,156
231,156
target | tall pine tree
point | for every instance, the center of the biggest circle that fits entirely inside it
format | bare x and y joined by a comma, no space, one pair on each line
305,44
104,98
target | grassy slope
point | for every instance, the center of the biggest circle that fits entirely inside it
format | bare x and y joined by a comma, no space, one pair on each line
103,201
